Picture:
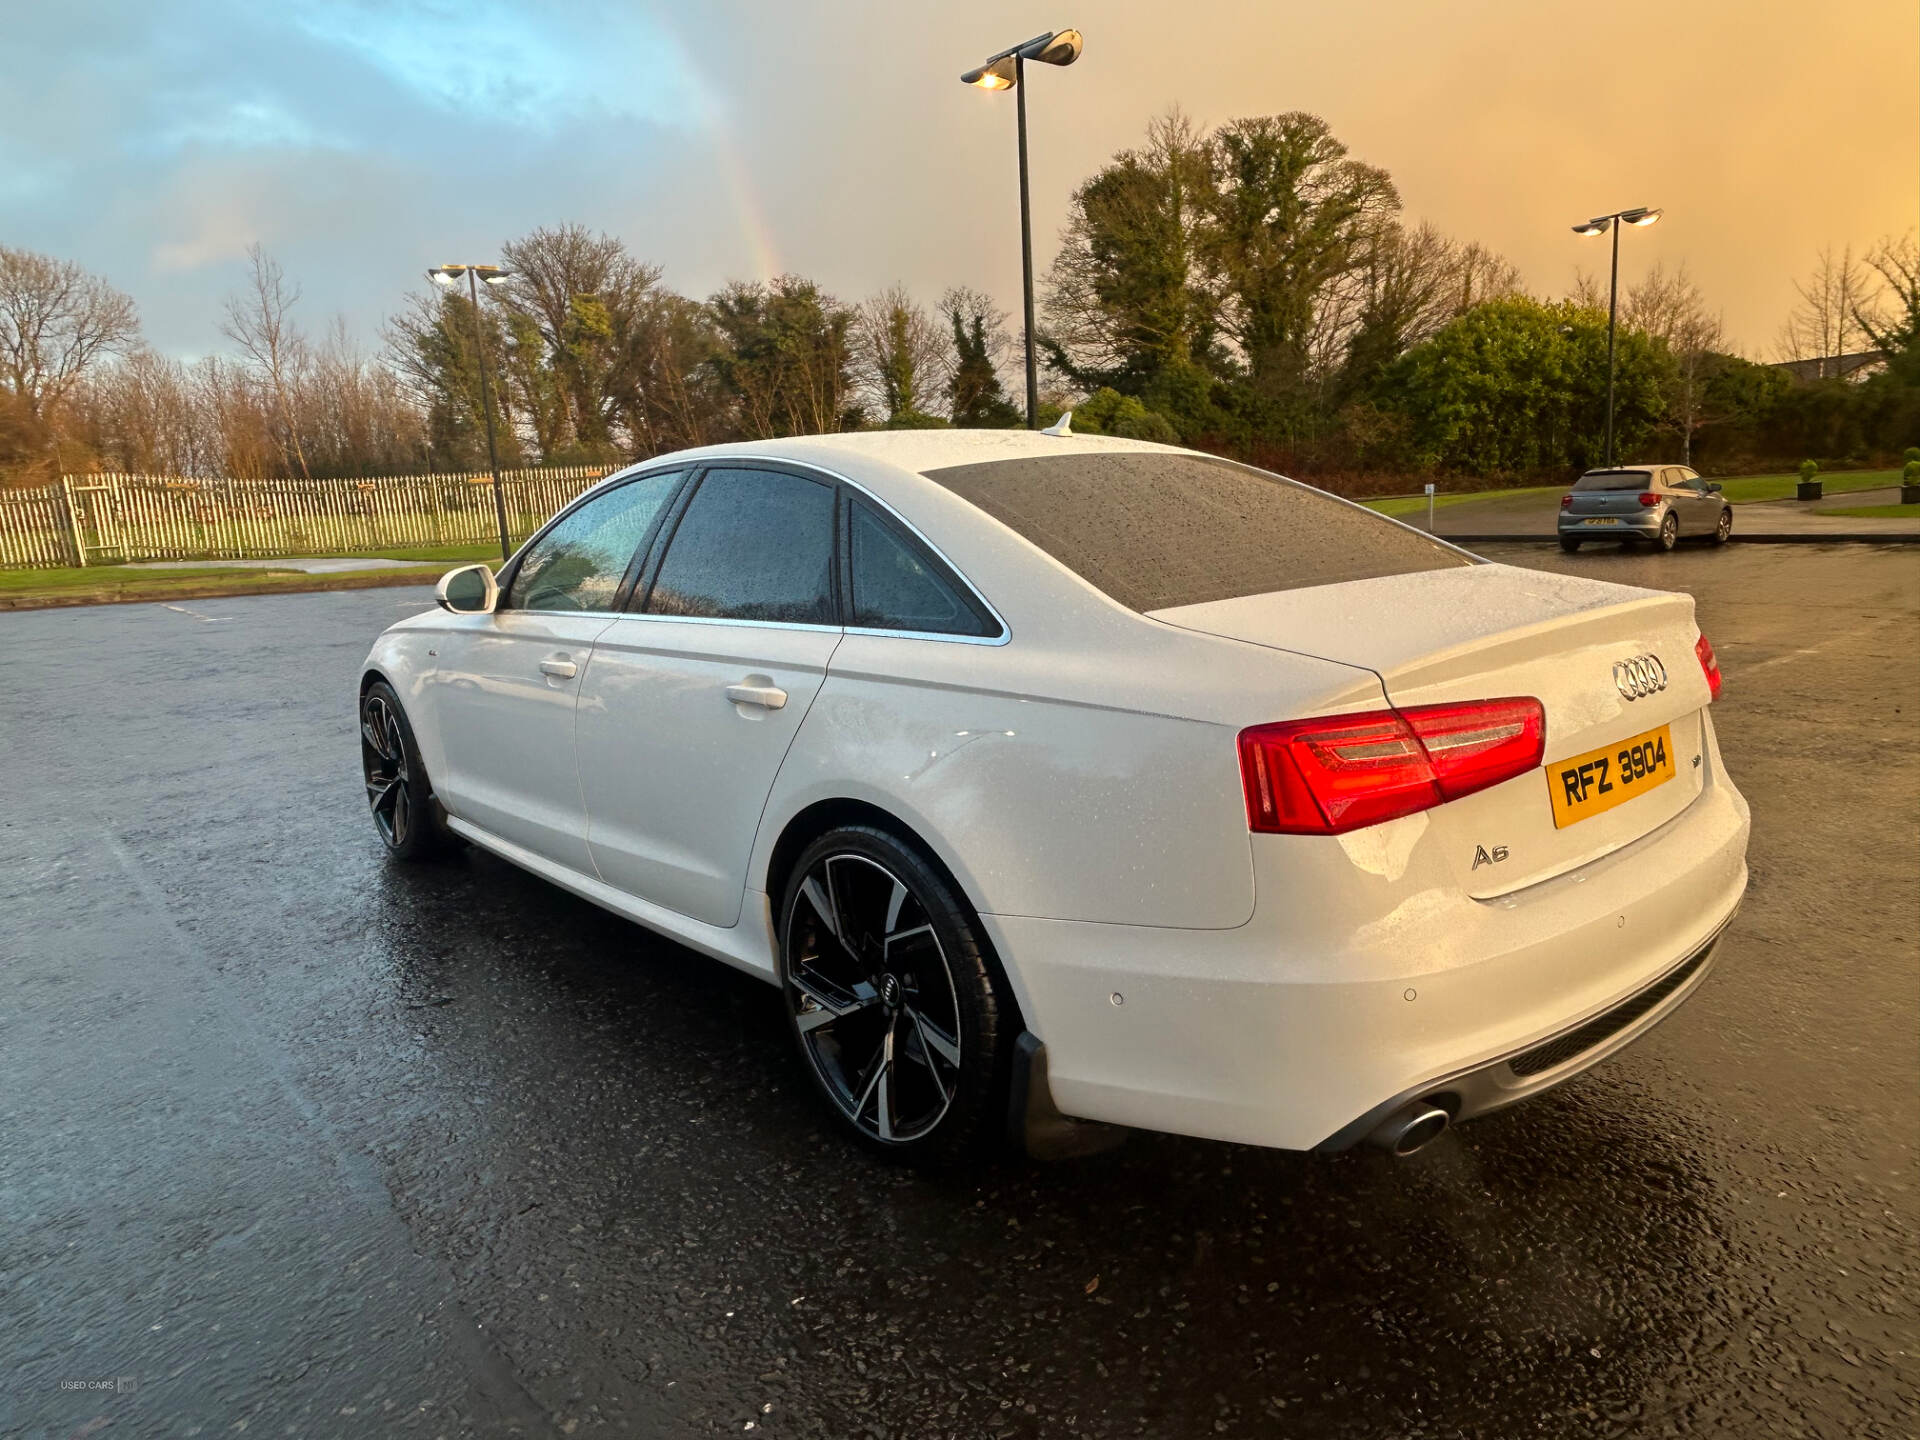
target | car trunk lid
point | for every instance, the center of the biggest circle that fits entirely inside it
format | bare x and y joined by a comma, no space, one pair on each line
1491,631
1606,502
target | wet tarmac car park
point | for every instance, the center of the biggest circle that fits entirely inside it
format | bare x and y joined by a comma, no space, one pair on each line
295,1141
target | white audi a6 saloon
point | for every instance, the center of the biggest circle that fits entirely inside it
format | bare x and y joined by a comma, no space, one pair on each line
1061,779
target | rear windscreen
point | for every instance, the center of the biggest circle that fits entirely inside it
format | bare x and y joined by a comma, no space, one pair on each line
1614,480
1159,530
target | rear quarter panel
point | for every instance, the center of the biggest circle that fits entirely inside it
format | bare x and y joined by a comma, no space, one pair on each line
1039,805
1083,772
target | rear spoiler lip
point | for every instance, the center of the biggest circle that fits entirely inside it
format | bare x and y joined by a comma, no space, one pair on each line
1422,666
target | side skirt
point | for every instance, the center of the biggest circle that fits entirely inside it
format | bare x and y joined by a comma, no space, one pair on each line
744,946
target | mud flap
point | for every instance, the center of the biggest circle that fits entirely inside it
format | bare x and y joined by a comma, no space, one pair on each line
1037,1128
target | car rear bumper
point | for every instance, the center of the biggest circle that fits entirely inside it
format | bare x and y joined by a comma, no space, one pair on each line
1354,989
1546,1064
1645,525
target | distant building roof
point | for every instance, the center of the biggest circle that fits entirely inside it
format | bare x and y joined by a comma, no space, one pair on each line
1857,366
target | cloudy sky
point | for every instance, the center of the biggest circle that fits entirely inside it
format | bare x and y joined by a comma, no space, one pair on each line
361,140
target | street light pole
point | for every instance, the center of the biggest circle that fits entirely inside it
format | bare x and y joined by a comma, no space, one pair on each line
1600,225
448,275
1613,315
1007,71
486,410
1026,244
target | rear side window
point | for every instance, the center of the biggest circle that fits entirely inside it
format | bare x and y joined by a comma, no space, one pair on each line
1156,530
752,545
1614,480
581,563
896,585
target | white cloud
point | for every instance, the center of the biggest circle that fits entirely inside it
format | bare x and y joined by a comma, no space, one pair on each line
531,67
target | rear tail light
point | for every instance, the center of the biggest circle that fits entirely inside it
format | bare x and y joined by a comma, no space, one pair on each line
1341,772
1648,498
1703,649
1566,502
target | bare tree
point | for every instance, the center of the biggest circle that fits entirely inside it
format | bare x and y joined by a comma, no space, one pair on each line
1825,323
900,356
1479,274
259,323
140,416
1891,320
356,412
1671,308
56,323
1587,291
1409,283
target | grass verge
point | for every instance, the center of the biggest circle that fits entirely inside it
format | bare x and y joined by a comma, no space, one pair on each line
1749,488
1400,505
119,585
1879,512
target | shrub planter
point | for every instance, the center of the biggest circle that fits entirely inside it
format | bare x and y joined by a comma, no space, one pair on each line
1810,489
1909,494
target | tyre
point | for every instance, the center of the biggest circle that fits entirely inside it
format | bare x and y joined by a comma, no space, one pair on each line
1669,532
898,1008
1570,543
1723,531
405,814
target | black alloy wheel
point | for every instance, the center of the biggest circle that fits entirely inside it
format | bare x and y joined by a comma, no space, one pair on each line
1723,531
898,1012
404,810
1669,531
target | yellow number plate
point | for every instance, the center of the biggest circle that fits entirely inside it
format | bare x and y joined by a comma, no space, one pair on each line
1584,785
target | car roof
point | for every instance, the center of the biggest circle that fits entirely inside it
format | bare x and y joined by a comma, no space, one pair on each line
922,450
892,465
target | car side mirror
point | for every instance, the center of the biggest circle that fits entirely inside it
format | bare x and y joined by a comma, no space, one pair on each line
1713,487
470,590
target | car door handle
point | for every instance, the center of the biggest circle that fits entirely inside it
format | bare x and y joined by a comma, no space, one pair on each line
772,697
559,665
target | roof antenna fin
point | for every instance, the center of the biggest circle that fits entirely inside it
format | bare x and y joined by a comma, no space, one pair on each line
1062,426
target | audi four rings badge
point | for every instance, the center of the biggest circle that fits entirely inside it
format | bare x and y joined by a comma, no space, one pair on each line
1639,677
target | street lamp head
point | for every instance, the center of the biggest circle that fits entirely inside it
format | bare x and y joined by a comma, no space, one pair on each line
1645,215
994,75
1060,48
1598,226
447,275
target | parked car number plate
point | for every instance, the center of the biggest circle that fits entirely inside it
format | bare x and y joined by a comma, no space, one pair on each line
1582,786
1603,520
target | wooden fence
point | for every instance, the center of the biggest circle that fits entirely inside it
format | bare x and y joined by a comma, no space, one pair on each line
91,519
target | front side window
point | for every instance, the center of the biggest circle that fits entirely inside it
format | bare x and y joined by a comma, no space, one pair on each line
896,586
752,545
580,563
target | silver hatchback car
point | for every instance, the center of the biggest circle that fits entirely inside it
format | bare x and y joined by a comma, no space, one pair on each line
1659,503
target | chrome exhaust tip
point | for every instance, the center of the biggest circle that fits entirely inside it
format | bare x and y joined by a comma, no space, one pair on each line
1412,1128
